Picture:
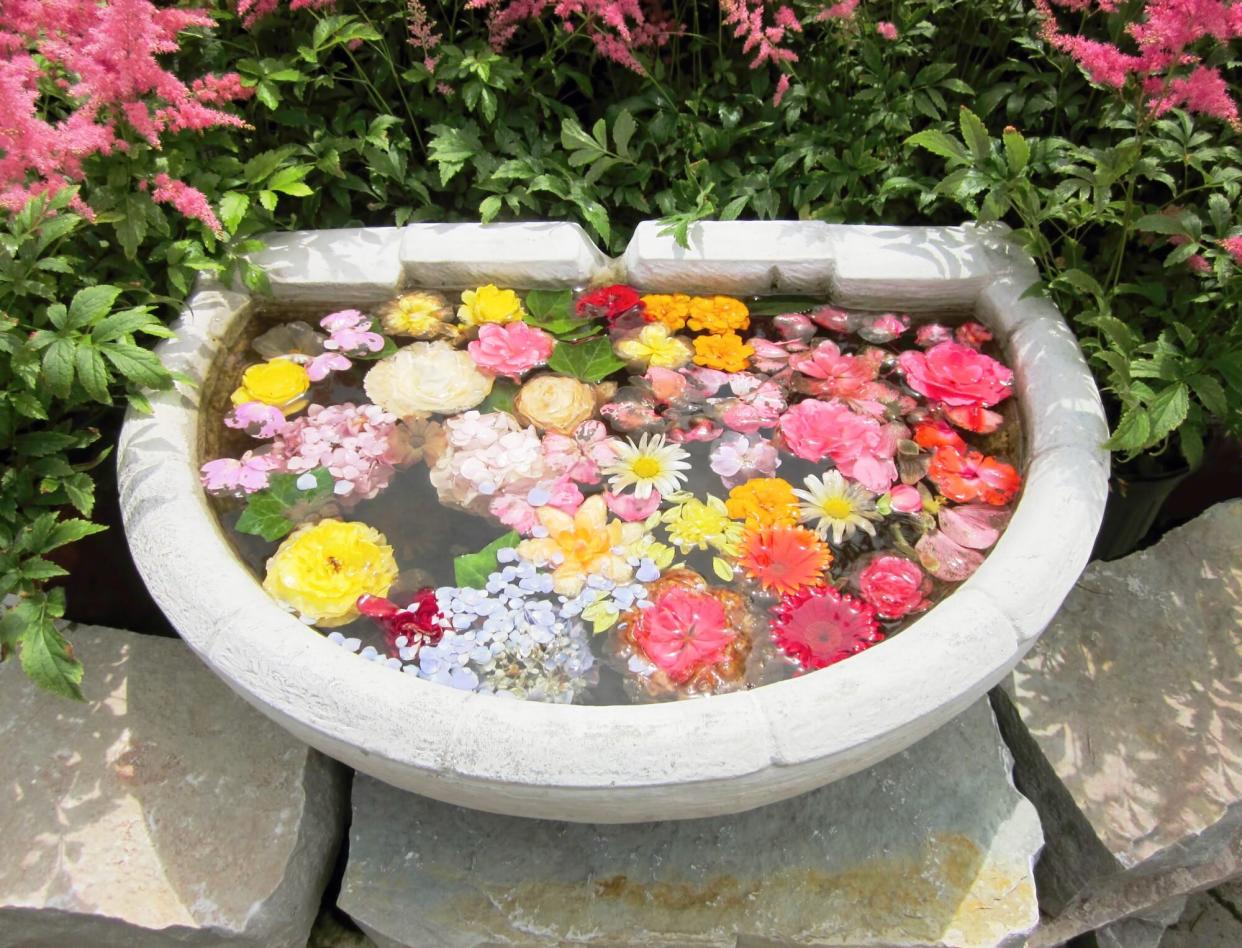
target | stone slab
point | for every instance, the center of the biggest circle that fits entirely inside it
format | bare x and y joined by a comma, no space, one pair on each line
934,846
350,265
1126,721
162,810
525,255
1211,920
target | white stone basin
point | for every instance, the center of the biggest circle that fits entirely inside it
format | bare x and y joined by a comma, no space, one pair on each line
613,764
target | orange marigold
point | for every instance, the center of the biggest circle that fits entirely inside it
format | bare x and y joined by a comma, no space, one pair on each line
764,502
726,352
671,309
718,314
785,559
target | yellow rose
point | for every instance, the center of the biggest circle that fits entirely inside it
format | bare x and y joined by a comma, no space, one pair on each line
321,569
426,377
280,382
420,314
555,403
489,304
655,345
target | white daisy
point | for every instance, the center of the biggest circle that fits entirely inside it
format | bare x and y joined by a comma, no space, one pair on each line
652,464
839,506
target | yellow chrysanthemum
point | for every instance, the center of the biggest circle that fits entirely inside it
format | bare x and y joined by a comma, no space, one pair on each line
280,382
670,309
421,315
718,314
489,304
764,502
584,545
694,524
726,352
321,569
654,345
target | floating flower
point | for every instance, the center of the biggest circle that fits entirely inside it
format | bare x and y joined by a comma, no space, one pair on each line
349,332
421,315
894,586
884,328
783,559
837,506
555,403
630,508
974,526
858,444
843,375
486,457
696,524
257,419
232,477
427,377
406,629
945,558
774,356
511,349
957,375
903,498
670,309
280,382
976,419
584,545
654,345
936,433
321,569
932,334
818,626
967,476
972,334
608,303
725,351
489,304
793,327
738,457
324,364
763,502
717,314
838,320
651,465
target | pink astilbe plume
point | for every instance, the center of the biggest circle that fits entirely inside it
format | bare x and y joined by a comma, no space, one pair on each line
422,30
1171,39
189,201
99,62
762,29
251,11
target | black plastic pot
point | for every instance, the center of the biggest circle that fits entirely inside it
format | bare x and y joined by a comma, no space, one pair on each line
1135,499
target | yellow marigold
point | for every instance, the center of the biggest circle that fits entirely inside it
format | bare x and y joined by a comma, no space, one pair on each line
280,382
696,524
489,304
421,315
718,314
322,568
726,352
763,502
671,309
655,346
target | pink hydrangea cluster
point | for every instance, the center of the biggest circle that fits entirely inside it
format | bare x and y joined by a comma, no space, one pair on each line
349,333
510,349
360,445
861,446
102,62
236,477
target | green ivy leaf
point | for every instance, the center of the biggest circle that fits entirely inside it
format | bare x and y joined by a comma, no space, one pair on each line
273,512
501,397
591,361
472,569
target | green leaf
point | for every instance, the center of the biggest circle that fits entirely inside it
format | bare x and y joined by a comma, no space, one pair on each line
140,366
93,373
1168,410
37,444
69,531
722,569
549,304
233,207
975,134
58,361
778,305
1017,151
501,397
92,304
273,512
1161,224
37,569
1211,393
940,143
47,658
472,569
1131,433
622,131
591,361
124,323
131,229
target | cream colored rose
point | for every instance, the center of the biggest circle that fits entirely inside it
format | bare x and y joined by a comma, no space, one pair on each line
427,377
555,403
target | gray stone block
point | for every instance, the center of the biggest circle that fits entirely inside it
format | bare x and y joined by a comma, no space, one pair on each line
161,811
1126,720
931,847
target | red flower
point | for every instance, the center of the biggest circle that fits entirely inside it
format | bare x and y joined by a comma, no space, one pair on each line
976,419
937,434
895,586
818,626
610,302
684,632
419,622
968,475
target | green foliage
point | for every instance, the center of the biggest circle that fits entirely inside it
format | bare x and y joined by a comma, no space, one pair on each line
273,512
591,361
472,569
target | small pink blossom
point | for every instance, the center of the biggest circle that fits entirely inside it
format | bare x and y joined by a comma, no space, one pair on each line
510,349
976,419
257,419
956,375
931,334
701,429
738,458
321,366
884,328
666,384
519,513
905,498
887,30
829,317
1233,246
349,332
233,477
773,356
793,327
842,374
972,334
1198,263
838,11
629,508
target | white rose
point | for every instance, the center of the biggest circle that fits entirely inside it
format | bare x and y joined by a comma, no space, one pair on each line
427,377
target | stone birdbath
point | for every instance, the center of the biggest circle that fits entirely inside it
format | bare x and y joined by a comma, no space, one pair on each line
628,763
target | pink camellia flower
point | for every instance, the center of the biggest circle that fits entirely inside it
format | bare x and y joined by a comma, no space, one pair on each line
707,381
895,586
234,477
629,416
838,320
257,419
904,498
510,349
758,404
566,456
972,334
793,327
701,429
860,446
321,366
682,632
887,30
884,328
738,458
773,356
956,375
931,334
844,374
629,508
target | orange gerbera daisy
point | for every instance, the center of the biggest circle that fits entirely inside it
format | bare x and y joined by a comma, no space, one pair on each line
785,559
